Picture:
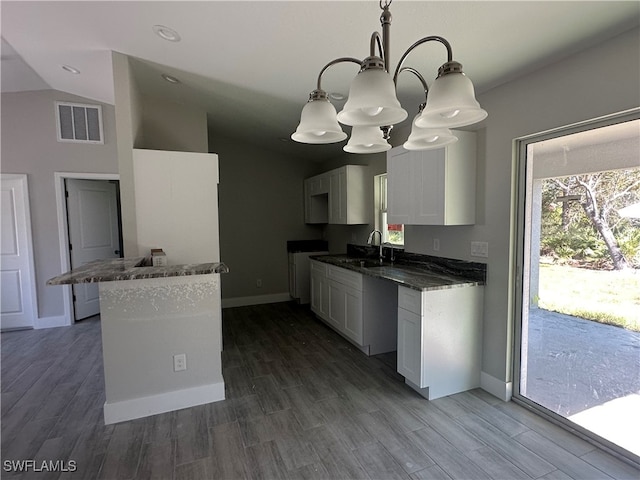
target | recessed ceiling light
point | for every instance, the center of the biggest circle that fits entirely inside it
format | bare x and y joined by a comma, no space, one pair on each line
170,79
336,96
70,69
166,33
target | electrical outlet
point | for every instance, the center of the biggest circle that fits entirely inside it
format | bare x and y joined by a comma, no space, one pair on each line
180,362
480,249
259,283
436,244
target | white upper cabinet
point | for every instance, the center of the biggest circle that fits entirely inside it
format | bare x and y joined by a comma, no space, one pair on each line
433,187
316,199
337,197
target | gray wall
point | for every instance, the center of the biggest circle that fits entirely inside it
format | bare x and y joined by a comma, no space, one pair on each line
148,123
129,124
260,208
171,126
29,145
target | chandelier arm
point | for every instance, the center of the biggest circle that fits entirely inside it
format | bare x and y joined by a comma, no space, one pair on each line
431,38
417,74
334,62
376,40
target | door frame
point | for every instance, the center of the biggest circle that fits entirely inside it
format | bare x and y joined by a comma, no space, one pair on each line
63,231
24,183
519,271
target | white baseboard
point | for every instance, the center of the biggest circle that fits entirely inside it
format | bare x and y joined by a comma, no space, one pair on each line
255,300
497,388
162,403
51,322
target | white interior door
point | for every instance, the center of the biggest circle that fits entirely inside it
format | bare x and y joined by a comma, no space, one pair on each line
17,277
94,234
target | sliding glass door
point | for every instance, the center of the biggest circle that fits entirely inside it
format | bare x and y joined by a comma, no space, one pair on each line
578,295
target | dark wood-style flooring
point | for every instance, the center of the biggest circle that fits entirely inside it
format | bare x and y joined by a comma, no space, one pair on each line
301,403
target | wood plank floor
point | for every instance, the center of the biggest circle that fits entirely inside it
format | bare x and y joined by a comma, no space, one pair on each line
301,403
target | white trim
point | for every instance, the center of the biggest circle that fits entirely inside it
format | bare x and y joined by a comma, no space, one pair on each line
162,403
255,300
58,104
51,322
497,388
63,232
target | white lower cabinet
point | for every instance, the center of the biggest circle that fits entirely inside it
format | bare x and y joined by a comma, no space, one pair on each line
439,339
410,346
319,289
358,307
345,302
345,310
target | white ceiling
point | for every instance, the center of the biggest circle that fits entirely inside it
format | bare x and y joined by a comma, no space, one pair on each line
252,64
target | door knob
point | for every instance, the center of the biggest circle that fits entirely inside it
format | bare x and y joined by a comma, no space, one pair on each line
117,252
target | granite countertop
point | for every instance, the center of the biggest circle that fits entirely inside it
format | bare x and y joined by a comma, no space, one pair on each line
132,269
418,272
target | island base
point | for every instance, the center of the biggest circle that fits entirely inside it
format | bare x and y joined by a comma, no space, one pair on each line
145,324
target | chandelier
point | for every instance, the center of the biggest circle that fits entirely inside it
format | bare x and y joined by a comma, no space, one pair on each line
372,107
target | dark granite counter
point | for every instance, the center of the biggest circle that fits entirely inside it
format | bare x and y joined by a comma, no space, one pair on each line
419,272
134,268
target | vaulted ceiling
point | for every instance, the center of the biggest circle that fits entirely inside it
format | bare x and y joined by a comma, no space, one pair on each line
252,64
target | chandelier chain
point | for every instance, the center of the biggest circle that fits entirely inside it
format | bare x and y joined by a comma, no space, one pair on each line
386,4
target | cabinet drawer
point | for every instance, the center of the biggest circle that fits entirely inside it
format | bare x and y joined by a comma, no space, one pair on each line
346,277
410,299
318,267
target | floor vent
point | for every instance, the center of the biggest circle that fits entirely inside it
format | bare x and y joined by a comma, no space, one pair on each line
79,123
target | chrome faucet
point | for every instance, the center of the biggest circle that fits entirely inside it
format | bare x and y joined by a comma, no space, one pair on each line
370,241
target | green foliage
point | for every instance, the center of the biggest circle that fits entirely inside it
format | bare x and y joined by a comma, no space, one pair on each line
567,234
577,242
629,240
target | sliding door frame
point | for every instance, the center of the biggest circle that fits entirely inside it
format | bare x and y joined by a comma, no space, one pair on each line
520,270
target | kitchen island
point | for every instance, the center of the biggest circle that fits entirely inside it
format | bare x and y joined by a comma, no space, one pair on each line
161,334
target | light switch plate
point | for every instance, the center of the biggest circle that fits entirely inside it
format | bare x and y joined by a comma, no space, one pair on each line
480,249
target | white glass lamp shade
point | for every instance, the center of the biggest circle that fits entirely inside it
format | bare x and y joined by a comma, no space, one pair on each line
428,138
451,102
318,124
366,140
372,101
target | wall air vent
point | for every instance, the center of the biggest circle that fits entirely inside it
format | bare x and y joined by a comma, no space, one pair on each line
79,123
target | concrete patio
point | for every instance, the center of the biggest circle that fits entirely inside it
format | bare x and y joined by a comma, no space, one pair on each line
587,372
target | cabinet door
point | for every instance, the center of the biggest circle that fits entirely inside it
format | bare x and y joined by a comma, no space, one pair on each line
427,175
316,293
399,184
324,297
337,305
353,321
316,200
319,290
338,196
307,200
410,346
292,277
